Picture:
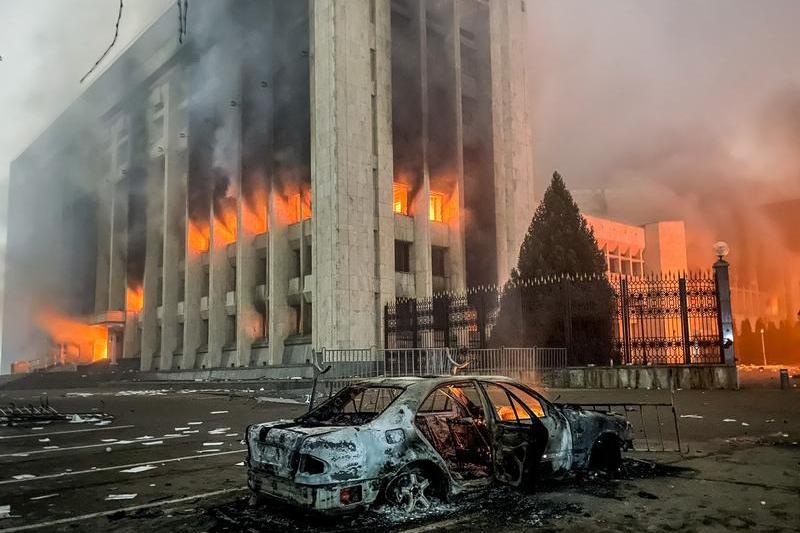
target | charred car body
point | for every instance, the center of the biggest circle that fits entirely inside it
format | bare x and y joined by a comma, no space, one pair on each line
405,440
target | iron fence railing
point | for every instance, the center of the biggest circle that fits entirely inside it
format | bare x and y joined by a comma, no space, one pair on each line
664,319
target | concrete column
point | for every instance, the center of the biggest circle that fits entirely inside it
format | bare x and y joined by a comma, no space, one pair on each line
152,267
246,262
420,207
277,276
344,181
456,265
119,242
228,159
383,166
102,263
511,130
174,219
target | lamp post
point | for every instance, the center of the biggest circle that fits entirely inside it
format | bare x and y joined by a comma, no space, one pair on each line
763,348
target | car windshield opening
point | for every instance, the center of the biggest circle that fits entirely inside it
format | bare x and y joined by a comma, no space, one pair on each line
352,406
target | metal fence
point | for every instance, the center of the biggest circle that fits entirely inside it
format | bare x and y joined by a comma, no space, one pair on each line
339,367
654,424
667,319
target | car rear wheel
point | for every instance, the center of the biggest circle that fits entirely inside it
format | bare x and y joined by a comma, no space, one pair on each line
411,489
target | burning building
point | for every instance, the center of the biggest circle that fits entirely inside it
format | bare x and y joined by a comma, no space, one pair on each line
267,184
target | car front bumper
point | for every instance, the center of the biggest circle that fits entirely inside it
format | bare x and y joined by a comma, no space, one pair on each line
322,498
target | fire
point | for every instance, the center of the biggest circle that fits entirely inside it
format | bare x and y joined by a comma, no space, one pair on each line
299,207
66,330
134,299
435,208
254,213
400,198
197,236
225,223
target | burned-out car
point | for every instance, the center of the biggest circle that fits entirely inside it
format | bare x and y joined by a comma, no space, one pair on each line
405,440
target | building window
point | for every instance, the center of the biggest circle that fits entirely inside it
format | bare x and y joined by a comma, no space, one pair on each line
232,278
294,271
299,207
307,261
402,256
261,271
438,256
230,331
400,198
179,343
435,211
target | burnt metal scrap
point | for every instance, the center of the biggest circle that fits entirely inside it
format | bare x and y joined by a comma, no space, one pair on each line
408,440
12,415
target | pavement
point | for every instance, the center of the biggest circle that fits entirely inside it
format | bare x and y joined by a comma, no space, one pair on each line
171,461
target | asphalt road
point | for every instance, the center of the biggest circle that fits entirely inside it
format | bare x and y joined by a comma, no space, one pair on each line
184,451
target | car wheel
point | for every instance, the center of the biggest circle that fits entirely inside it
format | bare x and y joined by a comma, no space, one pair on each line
411,489
606,455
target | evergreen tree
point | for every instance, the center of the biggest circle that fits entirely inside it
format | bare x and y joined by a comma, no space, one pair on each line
559,240
558,295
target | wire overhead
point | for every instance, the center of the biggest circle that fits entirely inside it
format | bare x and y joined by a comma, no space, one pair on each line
110,46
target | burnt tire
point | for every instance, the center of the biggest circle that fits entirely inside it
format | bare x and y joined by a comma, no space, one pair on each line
606,455
414,488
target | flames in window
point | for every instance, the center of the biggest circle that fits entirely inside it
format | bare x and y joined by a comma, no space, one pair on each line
436,207
134,299
400,198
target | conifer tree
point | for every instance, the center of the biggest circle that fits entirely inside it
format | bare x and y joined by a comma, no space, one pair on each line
558,295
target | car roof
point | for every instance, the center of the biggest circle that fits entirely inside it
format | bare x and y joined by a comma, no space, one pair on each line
406,381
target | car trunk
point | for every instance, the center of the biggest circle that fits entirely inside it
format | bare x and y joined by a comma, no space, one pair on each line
275,450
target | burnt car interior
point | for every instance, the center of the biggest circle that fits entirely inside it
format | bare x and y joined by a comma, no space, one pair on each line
519,437
452,420
352,406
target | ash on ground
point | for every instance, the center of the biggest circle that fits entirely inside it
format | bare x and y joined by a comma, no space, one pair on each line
505,505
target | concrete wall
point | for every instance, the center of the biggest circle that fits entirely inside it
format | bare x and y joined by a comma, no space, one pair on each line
639,377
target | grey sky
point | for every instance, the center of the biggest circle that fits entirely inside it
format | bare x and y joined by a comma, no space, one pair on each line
666,99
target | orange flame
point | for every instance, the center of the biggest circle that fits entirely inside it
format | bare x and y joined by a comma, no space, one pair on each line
225,224
134,299
197,237
65,330
299,207
254,213
400,198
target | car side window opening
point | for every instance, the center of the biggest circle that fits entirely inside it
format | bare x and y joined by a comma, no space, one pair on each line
451,420
352,406
530,401
506,407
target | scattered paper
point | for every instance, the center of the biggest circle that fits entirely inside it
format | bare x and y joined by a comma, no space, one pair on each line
5,511
108,440
172,435
152,443
37,428
745,424
261,399
213,443
194,423
691,416
240,463
181,429
44,497
208,450
231,434
24,476
191,431
112,497
218,412
103,423
44,440
729,420
49,447
137,469
145,437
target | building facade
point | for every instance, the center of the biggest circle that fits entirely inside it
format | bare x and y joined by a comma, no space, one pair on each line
267,185
637,251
